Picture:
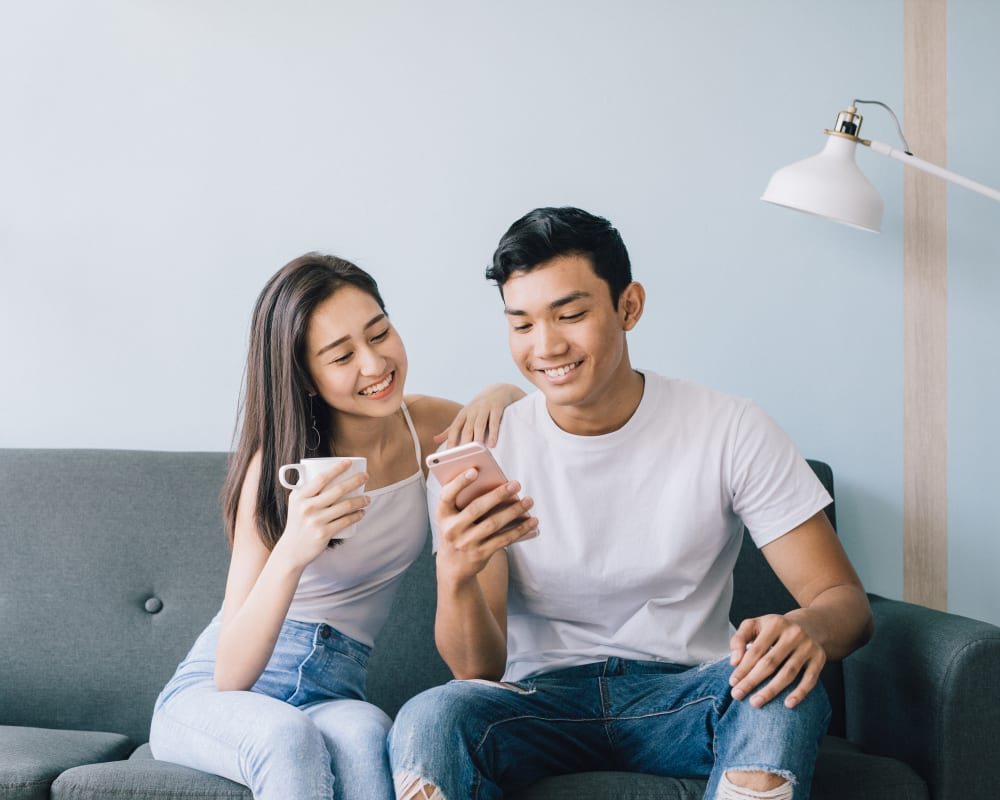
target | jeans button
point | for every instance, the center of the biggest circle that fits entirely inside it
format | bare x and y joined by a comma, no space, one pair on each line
325,631
153,605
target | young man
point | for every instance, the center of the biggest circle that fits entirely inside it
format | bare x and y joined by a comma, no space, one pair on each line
605,609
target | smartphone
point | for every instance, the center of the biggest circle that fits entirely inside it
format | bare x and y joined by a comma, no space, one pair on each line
447,465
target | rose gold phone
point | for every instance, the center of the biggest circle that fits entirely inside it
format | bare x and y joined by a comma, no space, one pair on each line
449,464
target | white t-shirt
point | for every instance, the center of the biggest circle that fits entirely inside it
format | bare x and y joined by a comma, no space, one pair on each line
641,527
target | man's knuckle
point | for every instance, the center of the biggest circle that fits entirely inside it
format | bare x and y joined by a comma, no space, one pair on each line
770,661
493,525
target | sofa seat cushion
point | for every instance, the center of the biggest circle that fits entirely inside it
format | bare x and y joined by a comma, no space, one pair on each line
34,757
142,777
617,785
842,770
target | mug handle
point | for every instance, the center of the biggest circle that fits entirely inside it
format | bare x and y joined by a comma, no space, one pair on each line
284,469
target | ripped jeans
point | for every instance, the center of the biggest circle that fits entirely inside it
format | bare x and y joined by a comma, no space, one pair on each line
478,739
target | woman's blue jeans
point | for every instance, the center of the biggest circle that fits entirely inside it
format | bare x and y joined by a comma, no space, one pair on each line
478,739
303,731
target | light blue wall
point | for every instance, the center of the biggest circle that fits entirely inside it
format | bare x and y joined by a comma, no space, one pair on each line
159,160
973,322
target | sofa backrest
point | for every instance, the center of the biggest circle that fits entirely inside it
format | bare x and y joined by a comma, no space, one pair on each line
114,560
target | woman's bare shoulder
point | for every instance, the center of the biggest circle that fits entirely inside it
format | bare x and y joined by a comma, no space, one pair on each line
431,415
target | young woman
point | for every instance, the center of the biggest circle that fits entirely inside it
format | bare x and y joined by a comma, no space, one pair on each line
272,694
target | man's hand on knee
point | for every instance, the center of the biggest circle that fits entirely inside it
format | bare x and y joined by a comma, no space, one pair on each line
776,650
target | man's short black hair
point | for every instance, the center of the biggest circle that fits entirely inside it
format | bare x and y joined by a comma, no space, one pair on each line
546,233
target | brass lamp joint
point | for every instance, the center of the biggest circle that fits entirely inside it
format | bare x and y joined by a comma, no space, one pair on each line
848,125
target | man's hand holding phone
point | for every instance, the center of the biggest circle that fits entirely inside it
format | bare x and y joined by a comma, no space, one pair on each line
479,511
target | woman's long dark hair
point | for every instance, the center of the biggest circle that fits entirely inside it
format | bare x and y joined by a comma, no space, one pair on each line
276,415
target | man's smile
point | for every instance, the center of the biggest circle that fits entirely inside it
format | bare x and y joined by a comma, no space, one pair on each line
560,371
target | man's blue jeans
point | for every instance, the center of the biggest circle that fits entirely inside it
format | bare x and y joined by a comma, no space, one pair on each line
478,739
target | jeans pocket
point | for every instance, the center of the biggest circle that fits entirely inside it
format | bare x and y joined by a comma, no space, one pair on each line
281,677
329,673
304,691
311,663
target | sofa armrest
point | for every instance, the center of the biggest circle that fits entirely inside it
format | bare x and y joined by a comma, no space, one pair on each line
926,690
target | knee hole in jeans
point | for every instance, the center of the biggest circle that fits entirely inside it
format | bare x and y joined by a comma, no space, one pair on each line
730,791
413,787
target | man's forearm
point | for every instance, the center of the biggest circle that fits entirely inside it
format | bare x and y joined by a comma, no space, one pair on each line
839,620
468,636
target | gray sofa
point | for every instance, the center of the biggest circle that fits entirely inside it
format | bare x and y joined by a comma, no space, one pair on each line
112,561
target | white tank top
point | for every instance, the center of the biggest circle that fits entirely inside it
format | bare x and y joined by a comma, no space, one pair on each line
351,586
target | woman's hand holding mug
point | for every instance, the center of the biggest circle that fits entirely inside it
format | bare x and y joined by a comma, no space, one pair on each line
326,503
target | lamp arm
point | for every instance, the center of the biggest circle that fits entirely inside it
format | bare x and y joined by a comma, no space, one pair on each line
927,166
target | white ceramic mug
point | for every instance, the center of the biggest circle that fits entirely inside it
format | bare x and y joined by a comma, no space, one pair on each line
309,468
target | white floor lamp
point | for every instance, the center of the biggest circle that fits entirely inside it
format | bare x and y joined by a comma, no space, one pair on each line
831,185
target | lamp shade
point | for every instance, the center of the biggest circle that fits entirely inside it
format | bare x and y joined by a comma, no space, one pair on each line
829,185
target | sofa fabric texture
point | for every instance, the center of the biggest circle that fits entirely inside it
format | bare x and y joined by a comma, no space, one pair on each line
31,758
115,560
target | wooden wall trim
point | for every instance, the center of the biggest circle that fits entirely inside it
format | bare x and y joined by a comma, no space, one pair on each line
925,320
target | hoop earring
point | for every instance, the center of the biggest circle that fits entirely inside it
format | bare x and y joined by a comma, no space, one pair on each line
312,436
